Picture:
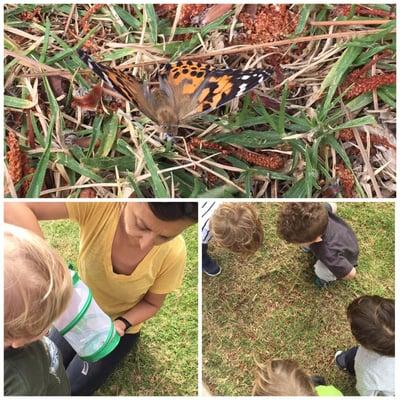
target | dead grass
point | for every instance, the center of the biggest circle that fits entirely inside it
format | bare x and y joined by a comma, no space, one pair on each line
268,307
115,151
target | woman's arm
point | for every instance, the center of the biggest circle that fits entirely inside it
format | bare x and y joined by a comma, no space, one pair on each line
27,215
144,310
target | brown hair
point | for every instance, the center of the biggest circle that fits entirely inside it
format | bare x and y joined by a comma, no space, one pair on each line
372,323
302,222
37,284
282,378
236,227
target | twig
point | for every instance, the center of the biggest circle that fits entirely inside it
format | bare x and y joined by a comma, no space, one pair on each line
351,22
69,19
285,42
239,49
363,153
176,21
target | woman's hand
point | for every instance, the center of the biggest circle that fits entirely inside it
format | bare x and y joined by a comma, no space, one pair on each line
119,327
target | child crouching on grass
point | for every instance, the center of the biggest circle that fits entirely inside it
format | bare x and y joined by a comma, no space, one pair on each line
233,226
330,239
372,323
286,378
37,288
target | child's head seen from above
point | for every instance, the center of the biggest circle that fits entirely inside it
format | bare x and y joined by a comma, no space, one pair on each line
37,286
237,227
282,378
372,323
302,223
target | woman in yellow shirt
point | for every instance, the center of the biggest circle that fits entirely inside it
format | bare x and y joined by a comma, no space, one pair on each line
131,256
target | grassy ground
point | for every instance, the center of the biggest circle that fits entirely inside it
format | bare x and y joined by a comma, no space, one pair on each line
166,360
268,307
327,113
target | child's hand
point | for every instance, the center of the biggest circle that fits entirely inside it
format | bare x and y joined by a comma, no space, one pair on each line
119,327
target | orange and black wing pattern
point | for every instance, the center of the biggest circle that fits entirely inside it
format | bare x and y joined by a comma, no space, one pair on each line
210,88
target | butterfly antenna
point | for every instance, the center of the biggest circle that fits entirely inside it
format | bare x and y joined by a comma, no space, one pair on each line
94,66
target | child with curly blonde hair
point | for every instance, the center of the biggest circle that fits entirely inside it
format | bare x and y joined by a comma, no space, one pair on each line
286,378
233,226
37,289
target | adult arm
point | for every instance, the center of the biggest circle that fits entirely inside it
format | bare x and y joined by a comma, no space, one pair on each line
27,215
169,278
143,311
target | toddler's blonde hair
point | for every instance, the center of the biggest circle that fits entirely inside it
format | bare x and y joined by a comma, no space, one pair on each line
37,284
236,227
282,378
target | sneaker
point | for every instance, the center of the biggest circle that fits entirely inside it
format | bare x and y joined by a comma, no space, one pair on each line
211,268
317,380
320,283
340,362
305,249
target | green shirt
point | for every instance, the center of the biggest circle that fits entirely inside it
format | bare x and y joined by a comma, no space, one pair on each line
35,369
330,390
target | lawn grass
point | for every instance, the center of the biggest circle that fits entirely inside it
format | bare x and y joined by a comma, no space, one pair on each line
268,307
166,361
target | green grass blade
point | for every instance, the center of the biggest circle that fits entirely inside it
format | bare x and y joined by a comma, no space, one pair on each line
15,102
332,141
108,136
303,18
387,96
152,21
123,163
282,111
45,46
225,191
72,164
159,189
98,120
335,75
38,177
248,138
134,185
127,18
356,122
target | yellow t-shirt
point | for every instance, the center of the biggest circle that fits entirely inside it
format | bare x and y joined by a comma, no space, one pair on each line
160,272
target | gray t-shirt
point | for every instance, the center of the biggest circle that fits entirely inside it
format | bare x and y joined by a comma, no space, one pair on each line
374,373
338,249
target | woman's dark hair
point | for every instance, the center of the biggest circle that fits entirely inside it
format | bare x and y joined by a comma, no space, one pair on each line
372,323
174,211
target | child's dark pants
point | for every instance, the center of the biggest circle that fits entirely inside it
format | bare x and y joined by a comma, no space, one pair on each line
86,377
206,259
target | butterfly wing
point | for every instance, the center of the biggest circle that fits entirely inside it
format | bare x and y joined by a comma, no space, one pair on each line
222,86
124,84
181,81
199,88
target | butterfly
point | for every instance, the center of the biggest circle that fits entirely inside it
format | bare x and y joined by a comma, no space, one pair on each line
186,89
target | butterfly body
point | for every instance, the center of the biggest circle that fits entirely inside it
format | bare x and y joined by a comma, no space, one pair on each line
186,89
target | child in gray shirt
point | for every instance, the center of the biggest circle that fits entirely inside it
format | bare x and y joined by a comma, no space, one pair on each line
372,362
332,241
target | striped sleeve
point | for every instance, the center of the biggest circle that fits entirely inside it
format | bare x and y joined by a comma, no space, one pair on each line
206,211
